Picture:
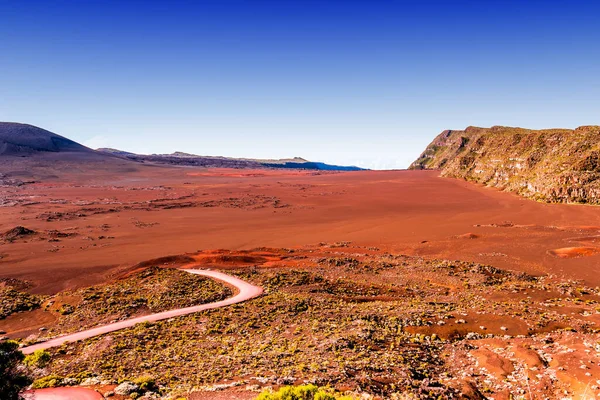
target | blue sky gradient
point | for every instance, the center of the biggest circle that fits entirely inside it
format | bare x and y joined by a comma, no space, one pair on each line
348,82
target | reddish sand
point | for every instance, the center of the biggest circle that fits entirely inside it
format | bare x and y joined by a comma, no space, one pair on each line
62,394
468,236
573,252
118,220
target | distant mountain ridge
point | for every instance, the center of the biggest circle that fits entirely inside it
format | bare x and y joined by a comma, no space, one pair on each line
551,165
24,140
181,158
181,154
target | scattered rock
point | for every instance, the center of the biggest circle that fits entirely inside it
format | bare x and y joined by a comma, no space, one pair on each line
70,381
90,381
468,235
126,388
286,380
17,232
149,396
473,336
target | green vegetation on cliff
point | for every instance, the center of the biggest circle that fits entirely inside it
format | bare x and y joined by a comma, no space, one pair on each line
552,165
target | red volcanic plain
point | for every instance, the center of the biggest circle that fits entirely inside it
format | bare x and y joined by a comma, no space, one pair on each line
87,227
322,235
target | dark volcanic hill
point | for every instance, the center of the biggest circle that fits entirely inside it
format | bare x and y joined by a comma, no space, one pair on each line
22,139
551,165
30,154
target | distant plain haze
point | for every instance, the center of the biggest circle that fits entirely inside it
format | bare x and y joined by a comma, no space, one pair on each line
366,83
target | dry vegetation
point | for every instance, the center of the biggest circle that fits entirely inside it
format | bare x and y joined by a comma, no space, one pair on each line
151,290
378,324
14,298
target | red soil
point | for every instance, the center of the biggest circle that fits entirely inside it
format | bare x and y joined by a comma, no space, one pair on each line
468,236
573,252
585,239
121,219
62,394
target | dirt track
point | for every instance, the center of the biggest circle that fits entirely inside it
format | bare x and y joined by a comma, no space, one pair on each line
246,291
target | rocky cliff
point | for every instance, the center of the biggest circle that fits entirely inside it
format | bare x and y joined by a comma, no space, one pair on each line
552,165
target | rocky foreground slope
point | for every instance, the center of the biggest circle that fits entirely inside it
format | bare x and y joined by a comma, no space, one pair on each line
552,165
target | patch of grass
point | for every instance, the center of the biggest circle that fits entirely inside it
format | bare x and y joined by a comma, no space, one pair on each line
38,359
47,382
303,392
146,383
13,300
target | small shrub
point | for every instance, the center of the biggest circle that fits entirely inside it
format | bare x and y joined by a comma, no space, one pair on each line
66,309
302,392
47,382
146,383
13,300
39,359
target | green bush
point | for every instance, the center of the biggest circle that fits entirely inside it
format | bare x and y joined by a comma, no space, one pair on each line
303,392
39,359
146,383
66,309
11,380
47,382
12,301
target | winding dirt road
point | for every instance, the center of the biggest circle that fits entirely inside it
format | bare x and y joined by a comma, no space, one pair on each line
246,291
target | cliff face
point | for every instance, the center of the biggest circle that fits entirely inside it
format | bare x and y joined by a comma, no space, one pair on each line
552,165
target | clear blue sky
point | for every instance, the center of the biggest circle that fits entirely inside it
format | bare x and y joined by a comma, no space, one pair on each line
348,82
